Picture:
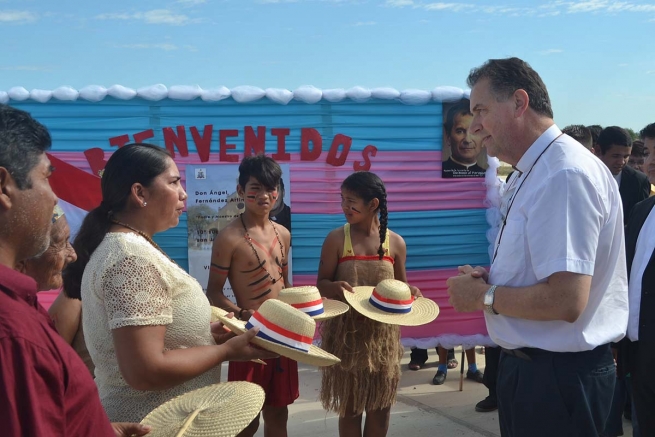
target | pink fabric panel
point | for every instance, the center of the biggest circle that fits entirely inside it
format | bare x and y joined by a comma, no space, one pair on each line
413,181
432,284
47,297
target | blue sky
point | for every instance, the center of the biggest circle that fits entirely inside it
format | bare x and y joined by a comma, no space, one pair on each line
595,56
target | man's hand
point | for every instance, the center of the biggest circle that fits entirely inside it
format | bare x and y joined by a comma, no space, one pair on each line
124,429
476,272
466,292
240,349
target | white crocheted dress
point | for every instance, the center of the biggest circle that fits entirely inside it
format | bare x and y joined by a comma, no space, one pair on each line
128,282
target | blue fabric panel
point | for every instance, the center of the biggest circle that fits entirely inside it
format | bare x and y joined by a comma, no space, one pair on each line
389,125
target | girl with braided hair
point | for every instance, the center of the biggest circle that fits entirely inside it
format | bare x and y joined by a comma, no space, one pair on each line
363,252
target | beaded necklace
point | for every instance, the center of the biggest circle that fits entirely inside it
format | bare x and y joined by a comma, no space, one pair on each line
144,235
259,261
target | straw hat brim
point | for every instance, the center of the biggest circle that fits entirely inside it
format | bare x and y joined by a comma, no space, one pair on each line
423,310
332,308
315,357
221,410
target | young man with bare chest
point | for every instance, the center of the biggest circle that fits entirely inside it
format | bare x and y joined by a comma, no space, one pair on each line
252,252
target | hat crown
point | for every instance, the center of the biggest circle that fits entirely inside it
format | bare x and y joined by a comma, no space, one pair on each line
294,295
287,317
394,289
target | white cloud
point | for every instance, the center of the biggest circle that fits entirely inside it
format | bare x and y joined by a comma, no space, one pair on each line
551,8
365,23
440,6
18,17
550,51
155,16
399,3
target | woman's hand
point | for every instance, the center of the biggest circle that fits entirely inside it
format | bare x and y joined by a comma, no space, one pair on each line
415,292
220,333
240,349
342,287
124,429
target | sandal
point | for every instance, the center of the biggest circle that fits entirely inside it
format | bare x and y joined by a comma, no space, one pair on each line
452,363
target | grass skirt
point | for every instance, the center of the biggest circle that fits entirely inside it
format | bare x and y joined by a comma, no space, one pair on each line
368,375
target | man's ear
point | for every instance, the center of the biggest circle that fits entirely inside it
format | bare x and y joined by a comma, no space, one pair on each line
521,102
8,189
21,267
240,191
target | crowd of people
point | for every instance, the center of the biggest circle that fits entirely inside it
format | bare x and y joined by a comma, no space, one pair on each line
568,298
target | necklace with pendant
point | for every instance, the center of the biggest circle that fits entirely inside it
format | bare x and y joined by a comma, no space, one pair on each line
259,261
144,235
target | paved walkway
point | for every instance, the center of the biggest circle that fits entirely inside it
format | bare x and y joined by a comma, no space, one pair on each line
422,410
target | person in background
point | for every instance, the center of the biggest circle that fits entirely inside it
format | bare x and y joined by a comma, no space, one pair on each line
581,134
46,270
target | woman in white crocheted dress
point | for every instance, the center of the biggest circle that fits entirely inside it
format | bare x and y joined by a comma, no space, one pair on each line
146,321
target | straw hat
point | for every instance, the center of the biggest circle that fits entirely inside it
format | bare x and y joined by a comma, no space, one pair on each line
283,330
221,410
309,301
391,302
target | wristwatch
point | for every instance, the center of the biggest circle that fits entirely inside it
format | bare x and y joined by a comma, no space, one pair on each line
489,300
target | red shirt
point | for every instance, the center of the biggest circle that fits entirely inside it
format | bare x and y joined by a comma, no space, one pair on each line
45,388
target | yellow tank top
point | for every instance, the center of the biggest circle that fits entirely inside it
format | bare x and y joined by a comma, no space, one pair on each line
349,253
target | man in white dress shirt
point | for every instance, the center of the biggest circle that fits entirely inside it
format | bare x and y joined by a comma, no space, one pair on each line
556,294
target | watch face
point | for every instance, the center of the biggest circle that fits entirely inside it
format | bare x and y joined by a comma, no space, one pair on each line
488,299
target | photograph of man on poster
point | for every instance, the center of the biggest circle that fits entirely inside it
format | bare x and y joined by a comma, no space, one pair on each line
463,155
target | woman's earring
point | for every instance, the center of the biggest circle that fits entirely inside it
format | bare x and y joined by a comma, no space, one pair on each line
145,203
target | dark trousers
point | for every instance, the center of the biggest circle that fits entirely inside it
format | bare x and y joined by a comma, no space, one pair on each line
491,361
421,355
543,393
643,388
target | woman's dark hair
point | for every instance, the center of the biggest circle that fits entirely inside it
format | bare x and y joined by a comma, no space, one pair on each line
131,164
369,186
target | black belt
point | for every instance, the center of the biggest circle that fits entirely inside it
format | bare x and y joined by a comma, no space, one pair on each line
525,353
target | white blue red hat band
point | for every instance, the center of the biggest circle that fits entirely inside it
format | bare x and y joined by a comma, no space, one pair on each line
312,309
277,334
393,306
391,302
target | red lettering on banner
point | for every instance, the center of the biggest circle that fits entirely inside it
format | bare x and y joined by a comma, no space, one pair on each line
311,145
203,143
308,134
140,137
366,154
179,140
119,141
96,159
281,134
223,135
254,143
339,140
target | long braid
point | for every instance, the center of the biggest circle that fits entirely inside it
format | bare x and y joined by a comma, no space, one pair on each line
383,221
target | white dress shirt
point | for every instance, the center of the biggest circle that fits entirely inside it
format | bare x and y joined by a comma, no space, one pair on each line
643,252
565,215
